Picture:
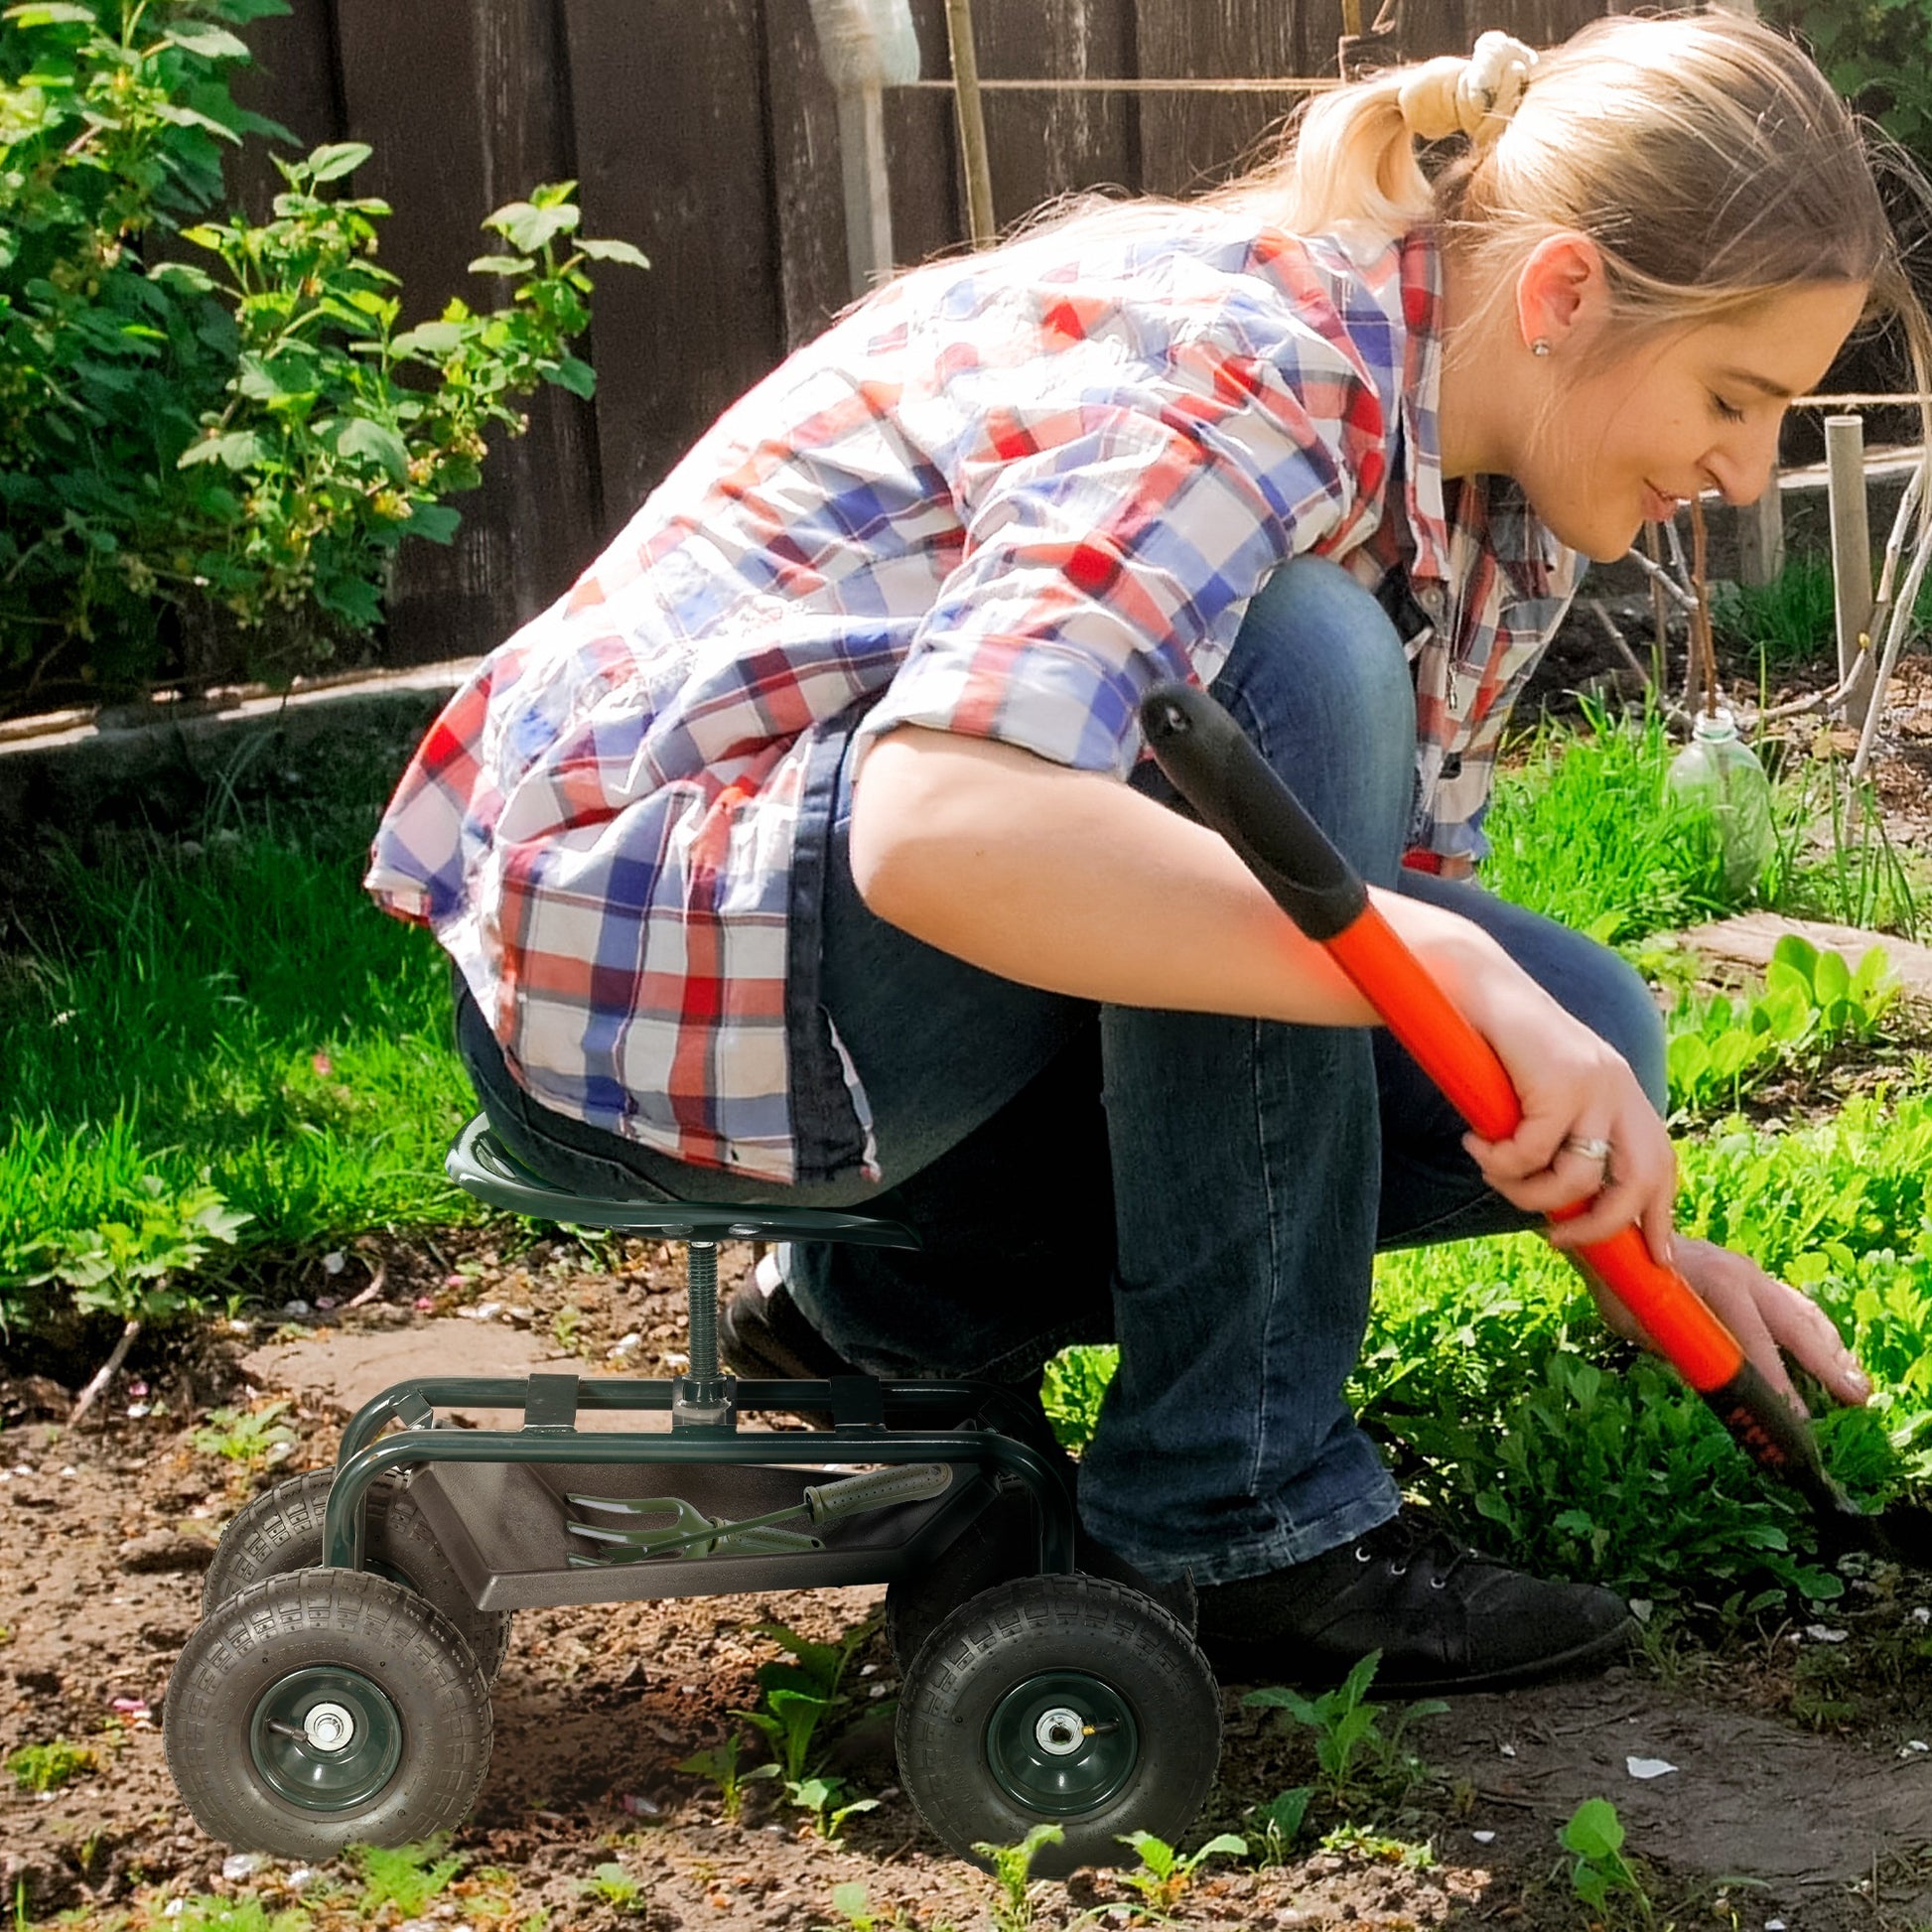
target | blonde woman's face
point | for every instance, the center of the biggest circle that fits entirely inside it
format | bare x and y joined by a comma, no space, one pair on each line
1697,411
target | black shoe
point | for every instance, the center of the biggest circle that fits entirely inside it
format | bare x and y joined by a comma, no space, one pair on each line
766,1336
1443,1618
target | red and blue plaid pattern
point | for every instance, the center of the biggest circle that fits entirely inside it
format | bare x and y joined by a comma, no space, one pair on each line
1001,496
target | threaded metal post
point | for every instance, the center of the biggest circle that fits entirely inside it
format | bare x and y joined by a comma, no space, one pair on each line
701,1275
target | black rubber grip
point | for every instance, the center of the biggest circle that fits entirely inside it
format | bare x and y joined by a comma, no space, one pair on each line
908,1482
1771,1432
1231,788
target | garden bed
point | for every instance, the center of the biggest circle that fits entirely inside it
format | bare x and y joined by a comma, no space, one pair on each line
1802,1790
297,1049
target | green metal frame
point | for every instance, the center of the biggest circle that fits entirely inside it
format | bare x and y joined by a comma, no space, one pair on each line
363,1458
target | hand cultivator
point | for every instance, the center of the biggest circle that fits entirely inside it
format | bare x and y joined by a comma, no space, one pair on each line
338,1688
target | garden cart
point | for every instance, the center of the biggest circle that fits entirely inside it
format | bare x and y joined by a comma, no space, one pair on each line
336,1690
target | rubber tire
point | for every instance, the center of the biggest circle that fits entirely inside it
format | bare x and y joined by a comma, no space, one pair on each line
280,1532
1036,1624
350,1618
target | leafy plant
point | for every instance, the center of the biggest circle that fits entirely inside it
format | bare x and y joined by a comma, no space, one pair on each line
125,1264
1788,620
616,1887
248,1437
342,432
720,1767
1810,1005
1599,1873
1164,1875
819,1796
46,1768
206,1913
407,1876
854,1908
799,1697
225,444
1281,1820
1874,57
1620,1478
1357,1758
1071,1390
1353,1841
1012,1905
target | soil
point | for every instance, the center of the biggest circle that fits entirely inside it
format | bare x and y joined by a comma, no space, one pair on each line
1801,1790
1797,1798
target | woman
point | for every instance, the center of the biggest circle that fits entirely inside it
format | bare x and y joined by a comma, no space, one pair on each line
805,851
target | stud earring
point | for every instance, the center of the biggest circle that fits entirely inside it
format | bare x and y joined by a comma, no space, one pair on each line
1541,347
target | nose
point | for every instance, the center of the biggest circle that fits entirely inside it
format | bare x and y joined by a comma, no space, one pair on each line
1741,467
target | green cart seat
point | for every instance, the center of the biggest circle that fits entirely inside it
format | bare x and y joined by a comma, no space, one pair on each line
481,1163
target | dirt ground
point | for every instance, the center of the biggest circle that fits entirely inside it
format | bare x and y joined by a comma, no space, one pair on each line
1799,1793
1796,1794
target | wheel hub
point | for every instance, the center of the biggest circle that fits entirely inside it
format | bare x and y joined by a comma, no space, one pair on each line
1063,1744
325,1738
330,1728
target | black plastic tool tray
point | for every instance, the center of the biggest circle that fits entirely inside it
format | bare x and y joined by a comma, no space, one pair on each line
503,1526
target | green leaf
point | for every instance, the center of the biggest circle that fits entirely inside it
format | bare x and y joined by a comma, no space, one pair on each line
1228,1842
430,339
435,521
1594,1831
576,376
197,281
238,449
181,116
211,42
528,228
51,13
614,252
501,265
337,159
362,437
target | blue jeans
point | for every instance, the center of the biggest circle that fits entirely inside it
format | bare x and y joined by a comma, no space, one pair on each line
1207,1191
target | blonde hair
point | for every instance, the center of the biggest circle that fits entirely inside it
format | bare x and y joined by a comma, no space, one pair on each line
1704,154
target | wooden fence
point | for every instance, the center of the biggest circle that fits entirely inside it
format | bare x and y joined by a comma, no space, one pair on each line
704,131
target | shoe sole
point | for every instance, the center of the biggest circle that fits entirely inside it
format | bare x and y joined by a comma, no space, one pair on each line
1241,1662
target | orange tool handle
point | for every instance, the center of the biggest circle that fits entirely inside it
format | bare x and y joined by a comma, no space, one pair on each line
1233,789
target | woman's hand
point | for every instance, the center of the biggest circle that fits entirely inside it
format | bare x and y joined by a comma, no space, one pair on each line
1770,1320
1588,1131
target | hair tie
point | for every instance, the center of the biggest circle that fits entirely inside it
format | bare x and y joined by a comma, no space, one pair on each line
1475,96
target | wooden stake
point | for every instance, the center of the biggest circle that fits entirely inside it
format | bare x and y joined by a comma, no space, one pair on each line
972,122
109,1370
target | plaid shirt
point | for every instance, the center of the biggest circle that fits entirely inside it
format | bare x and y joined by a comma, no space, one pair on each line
1001,496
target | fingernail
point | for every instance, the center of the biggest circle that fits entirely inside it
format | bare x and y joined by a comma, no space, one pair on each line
1860,1383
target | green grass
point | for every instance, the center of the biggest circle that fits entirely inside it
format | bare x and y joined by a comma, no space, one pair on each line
1583,832
239,1009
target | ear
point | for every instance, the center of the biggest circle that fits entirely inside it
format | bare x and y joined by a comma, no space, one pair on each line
1559,288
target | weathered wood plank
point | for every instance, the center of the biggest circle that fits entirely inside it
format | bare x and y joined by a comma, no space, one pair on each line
1046,145
462,101
1750,938
295,79
1187,144
670,105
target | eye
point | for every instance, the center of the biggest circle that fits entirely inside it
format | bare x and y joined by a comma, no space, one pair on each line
1725,409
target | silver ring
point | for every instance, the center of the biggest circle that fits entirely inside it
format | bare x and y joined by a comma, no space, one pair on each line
1588,1148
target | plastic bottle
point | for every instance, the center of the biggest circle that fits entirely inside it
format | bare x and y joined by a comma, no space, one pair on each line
1721,772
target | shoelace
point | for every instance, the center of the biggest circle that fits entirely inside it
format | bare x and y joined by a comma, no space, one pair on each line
1404,1538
